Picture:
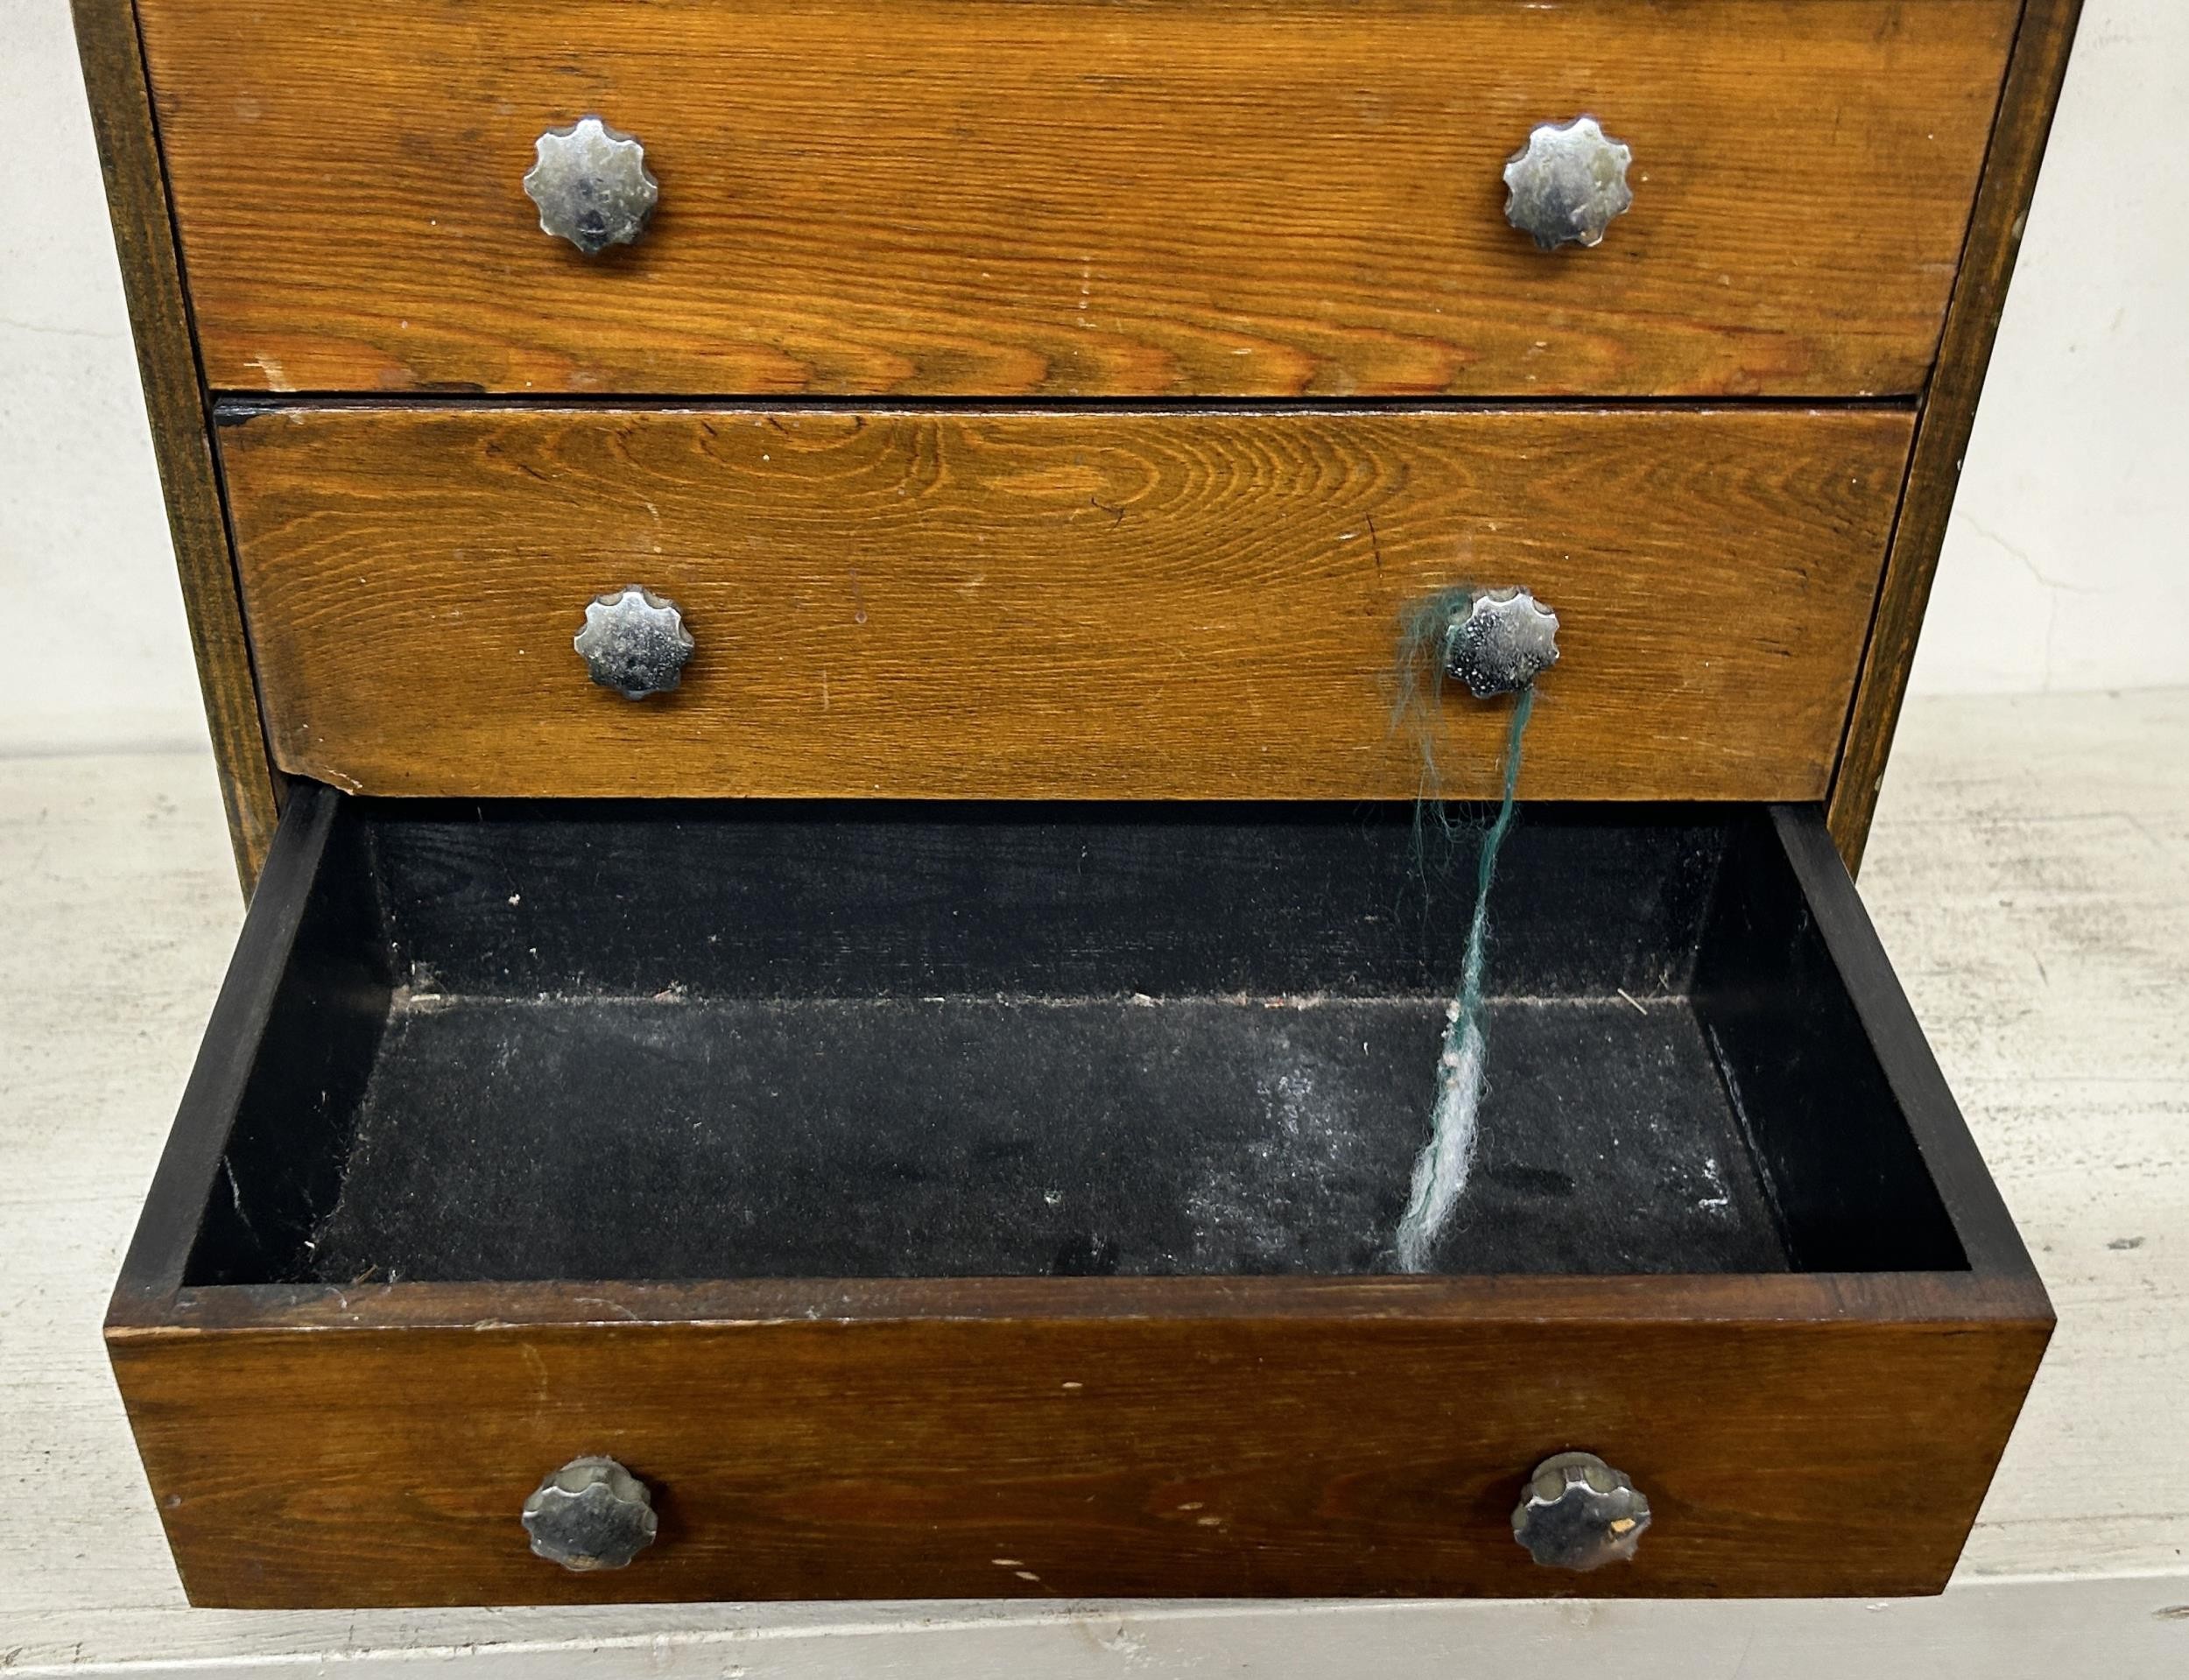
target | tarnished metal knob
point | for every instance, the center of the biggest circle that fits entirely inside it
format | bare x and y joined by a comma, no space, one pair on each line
634,641
1580,1514
1568,183
1502,642
591,185
591,1514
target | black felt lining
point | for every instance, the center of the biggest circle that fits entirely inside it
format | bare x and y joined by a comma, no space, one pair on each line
652,1040
505,1139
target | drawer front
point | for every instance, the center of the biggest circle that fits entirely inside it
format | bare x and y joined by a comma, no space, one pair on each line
1252,197
1056,604
1069,1457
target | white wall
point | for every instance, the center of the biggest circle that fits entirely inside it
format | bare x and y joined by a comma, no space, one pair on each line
81,527
2067,562
2065,568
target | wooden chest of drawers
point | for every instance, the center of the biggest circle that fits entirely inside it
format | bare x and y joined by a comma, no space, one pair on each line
916,1104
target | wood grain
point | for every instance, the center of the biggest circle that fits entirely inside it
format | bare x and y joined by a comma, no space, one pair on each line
174,403
979,1454
1949,410
1051,604
1161,197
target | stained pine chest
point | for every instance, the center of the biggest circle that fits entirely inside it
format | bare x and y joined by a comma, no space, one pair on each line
810,614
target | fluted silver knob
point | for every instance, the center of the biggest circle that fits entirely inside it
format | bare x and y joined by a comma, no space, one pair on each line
634,641
592,186
1579,1513
591,1514
1502,642
1568,183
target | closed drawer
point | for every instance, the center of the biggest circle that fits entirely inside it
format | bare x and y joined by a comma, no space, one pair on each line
1257,197
1056,604
936,1201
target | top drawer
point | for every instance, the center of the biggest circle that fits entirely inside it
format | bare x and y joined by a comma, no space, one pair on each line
1080,197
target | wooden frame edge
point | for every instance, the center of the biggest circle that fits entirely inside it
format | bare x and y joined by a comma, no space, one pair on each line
2034,72
1957,1300
151,1279
175,402
1994,1248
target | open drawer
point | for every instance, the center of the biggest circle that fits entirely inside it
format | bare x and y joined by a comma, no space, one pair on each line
977,1200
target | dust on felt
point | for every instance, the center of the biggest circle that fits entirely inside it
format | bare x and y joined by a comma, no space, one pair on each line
1248,1201
1306,1166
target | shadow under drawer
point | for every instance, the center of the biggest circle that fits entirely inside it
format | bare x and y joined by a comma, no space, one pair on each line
806,1157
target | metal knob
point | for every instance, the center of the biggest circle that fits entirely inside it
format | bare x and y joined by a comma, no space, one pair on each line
1502,642
591,1514
634,641
591,185
1568,183
1579,1514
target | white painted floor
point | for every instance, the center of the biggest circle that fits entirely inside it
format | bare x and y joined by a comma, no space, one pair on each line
2030,875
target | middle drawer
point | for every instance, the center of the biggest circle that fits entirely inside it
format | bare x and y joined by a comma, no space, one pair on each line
1056,604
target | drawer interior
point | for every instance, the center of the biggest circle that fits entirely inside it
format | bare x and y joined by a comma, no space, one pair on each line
525,1041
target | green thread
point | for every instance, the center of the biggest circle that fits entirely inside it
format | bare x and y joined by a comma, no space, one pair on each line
1470,998
1425,630
1440,1170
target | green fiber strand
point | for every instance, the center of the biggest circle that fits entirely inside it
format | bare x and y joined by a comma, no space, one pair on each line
1440,1170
